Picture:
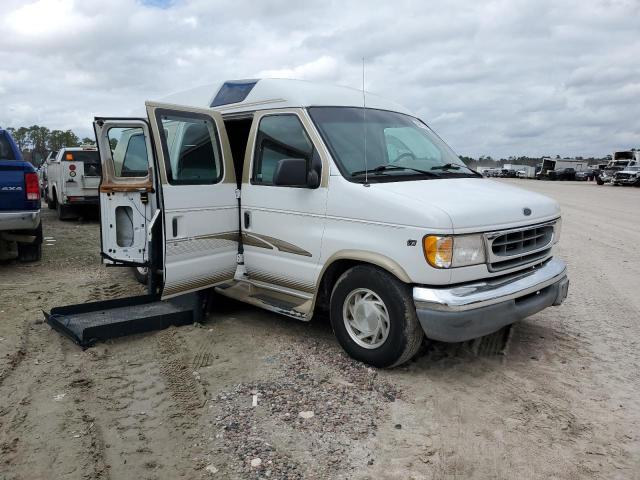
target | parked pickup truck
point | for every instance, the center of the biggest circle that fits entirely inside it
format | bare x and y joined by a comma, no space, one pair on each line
20,226
628,176
73,176
270,192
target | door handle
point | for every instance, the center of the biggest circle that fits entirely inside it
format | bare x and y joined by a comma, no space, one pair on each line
174,225
247,219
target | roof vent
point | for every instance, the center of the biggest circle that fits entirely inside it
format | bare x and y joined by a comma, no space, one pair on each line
233,91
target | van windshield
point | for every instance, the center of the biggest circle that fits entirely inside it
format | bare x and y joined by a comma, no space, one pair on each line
398,147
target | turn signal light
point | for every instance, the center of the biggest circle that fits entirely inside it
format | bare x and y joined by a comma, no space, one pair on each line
438,250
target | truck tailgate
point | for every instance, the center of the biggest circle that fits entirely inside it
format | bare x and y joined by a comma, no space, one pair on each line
12,194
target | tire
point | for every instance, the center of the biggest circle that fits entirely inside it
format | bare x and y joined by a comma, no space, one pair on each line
386,294
598,181
65,212
141,274
31,252
51,202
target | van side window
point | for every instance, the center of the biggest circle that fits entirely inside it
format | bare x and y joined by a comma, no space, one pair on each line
129,152
135,162
191,148
279,136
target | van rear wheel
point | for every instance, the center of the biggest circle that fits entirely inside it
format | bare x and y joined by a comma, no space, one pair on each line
374,318
65,212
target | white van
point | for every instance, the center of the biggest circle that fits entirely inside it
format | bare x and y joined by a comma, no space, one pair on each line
72,180
290,196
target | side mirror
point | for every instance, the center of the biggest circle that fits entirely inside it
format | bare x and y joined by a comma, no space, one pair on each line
293,172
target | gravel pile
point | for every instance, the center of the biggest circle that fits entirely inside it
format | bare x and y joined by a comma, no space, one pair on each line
324,399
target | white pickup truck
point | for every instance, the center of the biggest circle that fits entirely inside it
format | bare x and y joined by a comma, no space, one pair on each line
72,180
291,196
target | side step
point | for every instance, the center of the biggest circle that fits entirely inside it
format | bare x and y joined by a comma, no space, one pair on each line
88,323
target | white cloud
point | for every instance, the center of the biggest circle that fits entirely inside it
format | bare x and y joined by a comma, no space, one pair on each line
503,77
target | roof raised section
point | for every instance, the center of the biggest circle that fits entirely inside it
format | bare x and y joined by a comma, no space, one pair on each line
282,93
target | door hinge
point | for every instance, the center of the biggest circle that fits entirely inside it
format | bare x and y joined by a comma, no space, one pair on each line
237,193
240,259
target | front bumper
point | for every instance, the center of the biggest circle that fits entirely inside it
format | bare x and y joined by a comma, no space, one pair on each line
627,181
22,220
476,309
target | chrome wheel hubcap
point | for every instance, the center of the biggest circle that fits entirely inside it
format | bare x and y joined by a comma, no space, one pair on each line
366,318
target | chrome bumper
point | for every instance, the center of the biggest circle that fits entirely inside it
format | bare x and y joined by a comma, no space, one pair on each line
475,309
27,220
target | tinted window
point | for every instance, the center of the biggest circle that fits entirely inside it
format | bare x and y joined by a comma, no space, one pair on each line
6,152
279,137
82,156
191,147
135,162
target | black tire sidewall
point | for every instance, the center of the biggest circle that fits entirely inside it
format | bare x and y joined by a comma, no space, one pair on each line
395,296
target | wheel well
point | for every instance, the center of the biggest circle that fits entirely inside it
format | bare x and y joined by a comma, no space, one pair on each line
331,275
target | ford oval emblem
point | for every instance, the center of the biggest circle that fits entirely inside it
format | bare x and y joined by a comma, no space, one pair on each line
526,211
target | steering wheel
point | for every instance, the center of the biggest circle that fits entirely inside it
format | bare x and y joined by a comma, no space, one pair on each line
404,154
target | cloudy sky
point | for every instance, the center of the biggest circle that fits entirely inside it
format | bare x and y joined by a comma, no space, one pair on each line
510,77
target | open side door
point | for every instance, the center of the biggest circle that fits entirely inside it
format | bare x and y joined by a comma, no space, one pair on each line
199,204
127,192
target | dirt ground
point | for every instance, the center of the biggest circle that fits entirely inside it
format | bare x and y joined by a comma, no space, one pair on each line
559,398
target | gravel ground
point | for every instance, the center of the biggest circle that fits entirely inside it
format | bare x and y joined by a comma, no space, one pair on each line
249,394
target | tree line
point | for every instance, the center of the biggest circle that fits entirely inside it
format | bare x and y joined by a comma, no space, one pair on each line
35,142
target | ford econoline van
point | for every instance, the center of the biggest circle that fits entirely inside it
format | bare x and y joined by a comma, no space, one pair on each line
291,196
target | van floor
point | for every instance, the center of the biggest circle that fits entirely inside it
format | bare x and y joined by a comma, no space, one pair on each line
557,398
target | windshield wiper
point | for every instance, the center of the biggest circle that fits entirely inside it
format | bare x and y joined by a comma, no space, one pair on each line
384,168
446,166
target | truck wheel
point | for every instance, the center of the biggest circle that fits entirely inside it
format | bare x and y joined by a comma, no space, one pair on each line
51,202
141,274
598,181
31,252
65,212
374,318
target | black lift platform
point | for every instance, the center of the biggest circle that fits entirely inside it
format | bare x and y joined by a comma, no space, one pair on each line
88,323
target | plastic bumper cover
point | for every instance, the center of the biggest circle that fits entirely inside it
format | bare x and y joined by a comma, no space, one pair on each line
476,309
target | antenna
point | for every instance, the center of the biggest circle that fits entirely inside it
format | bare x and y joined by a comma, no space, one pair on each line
364,126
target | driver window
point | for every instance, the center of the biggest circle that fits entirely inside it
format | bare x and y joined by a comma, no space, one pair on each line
129,152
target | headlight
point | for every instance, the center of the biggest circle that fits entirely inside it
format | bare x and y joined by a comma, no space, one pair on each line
453,251
557,230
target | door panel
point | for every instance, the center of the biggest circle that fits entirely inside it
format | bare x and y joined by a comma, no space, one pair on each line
126,200
198,195
283,237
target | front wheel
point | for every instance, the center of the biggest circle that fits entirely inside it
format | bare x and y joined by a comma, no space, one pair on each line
374,318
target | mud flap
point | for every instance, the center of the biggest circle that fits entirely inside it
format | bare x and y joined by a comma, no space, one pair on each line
88,323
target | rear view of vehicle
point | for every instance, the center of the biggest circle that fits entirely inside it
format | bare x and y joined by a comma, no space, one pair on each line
73,179
20,227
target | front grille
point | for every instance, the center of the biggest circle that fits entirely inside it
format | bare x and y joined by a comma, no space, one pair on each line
521,242
623,175
519,260
520,247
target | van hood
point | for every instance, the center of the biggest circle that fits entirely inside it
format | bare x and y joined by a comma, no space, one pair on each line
476,204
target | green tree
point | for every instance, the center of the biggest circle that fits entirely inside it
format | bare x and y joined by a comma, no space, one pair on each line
88,141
